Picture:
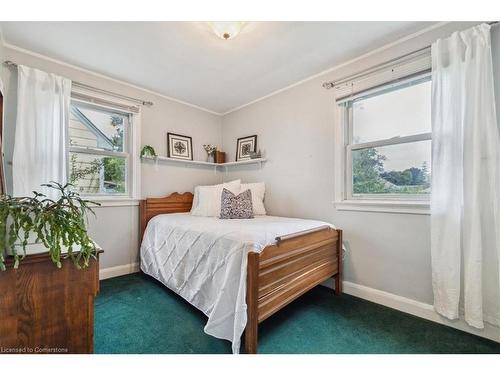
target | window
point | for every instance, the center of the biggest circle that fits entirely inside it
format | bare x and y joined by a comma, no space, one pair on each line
101,145
387,142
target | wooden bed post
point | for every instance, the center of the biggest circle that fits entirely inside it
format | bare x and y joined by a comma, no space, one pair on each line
143,221
338,278
251,331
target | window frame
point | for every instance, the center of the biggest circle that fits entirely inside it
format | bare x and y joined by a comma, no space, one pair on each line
129,153
345,199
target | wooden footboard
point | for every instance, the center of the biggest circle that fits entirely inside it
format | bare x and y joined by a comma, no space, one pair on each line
285,271
280,273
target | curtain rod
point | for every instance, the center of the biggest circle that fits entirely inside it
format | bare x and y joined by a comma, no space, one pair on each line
84,86
330,84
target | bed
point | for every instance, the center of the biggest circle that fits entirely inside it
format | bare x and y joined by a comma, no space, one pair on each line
238,272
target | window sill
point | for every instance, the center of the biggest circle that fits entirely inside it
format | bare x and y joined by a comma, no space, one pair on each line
114,202
398,207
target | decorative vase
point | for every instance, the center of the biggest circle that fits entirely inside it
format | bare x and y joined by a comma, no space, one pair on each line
210,158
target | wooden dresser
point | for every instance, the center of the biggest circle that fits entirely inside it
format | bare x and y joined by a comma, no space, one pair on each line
44,309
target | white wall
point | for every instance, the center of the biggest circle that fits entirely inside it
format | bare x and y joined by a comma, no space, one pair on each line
295,128
2,58
116,228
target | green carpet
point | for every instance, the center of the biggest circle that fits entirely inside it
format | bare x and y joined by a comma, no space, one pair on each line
136,314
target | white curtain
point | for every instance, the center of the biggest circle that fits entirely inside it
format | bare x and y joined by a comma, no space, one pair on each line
40,145
465,205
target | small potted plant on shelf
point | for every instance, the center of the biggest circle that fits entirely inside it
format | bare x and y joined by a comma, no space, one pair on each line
210,149
148,152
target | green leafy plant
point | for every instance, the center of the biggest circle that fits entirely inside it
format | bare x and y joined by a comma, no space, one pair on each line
371,177
117,138
148,151
54,223
78,172
114,173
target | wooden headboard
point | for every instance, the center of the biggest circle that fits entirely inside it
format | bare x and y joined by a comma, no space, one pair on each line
150,207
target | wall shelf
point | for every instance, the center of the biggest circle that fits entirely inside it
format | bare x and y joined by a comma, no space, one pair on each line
216,166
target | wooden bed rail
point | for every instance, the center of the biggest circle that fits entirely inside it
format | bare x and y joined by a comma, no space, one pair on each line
298,234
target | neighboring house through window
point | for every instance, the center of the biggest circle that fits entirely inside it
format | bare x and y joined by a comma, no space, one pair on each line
102,150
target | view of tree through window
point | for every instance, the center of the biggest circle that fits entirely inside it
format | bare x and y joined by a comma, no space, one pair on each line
98,154
372,176
391,141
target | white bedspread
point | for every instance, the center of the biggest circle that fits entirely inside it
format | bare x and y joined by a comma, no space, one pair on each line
204,260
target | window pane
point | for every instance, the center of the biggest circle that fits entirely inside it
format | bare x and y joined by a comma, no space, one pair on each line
94,127
394,169
400,112
96,174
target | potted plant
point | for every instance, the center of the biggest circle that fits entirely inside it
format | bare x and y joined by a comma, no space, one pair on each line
57,226
52,300
148,152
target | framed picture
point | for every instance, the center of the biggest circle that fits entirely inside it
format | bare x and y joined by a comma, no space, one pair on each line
179,146
245,146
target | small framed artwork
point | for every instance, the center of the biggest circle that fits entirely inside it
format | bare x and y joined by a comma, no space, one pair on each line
245,146
179,146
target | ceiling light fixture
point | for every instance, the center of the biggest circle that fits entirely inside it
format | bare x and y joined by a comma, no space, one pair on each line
226,29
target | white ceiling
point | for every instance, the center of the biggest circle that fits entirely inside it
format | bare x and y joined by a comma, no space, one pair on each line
184,60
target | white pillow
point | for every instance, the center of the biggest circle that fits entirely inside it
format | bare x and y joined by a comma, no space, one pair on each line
208,198
258,190
195,198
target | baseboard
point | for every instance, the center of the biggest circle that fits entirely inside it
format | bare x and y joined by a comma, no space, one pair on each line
420,309
106,273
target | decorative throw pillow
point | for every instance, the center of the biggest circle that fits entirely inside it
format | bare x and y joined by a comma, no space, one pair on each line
236,206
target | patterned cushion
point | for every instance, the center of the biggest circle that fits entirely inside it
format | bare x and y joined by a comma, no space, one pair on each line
236,206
